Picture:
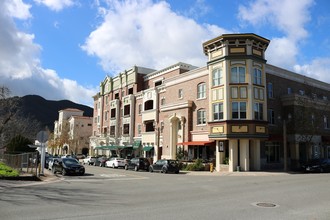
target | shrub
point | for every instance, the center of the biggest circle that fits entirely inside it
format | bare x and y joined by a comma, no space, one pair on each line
196,166
6,171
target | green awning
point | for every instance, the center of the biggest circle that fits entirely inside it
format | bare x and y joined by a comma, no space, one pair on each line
148,148
136,144
122,147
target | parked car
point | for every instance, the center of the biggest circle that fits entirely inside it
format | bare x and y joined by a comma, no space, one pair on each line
101,161
317,165
89,160
51,162
115,162
137,164
165,166
68,166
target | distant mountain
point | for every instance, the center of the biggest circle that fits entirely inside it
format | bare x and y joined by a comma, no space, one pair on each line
46,111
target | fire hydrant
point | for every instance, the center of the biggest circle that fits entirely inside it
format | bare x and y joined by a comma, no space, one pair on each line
211,167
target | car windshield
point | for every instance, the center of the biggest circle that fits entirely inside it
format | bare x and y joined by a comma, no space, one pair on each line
70,161
173,162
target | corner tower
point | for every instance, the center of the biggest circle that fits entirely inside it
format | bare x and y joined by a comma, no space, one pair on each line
238,103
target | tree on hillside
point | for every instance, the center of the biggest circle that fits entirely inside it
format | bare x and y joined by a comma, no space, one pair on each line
19,144
12,121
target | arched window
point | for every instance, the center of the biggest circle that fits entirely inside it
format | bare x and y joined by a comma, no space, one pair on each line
201,117
201,90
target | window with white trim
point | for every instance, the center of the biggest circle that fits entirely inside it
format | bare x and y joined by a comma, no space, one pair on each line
217,111
257,77
217,77
237,74
201,117
201,90
238,110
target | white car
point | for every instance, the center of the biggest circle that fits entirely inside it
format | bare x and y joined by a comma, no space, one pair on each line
115,162
51,162
89,160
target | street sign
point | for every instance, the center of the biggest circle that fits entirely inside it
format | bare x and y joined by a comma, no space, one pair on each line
42,136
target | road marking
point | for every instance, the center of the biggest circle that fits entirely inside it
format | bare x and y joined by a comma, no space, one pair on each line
112,175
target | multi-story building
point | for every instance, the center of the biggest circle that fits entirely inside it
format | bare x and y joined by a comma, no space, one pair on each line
237,112
71,132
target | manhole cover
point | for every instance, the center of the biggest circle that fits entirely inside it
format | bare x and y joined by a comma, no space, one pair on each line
265,204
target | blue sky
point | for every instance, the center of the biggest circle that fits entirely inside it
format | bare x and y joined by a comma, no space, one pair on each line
63,49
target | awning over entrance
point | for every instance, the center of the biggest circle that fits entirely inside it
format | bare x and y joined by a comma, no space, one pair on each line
198,143
148,148
136,144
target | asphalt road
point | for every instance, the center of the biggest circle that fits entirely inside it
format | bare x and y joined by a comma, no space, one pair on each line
106,193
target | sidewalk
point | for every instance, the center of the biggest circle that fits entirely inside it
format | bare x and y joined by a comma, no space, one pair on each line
241,173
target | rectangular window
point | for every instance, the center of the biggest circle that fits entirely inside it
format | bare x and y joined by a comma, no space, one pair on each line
218,111
112,130
201,91
139,129
127,110
243,92
257,79
180,93
270,90
272,152
238,110
106,115
130,91
113,113
201,117
326,122
256,93
258,111
271,116
234,92
289,91
237,74
126,129
140,109
217,77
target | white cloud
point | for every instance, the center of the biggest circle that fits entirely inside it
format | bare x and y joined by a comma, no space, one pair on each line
319,69
140,32
17,9
20,65
290,18
287,16
56,5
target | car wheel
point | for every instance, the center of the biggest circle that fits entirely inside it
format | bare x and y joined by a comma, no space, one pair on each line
151,170
63,172
136,168
53,170
126,167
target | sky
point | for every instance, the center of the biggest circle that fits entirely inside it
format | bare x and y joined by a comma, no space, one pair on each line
63,49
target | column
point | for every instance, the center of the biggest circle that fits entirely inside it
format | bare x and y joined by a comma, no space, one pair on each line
244,155
256,155
233,162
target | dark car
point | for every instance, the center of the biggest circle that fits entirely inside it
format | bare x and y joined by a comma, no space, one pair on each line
68,166
317,165
165,166
137,164
101,161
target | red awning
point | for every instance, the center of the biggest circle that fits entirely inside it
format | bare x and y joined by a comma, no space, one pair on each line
201,143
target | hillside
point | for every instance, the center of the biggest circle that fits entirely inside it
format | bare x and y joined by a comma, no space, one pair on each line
46,111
